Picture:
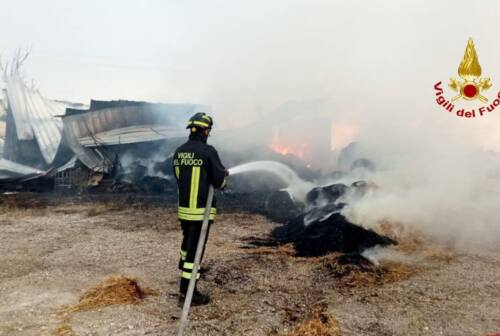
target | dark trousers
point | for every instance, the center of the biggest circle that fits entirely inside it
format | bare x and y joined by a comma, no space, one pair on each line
190,236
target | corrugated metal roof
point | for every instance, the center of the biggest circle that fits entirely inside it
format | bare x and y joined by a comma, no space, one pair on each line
35,116
68,165
132,134
86,132
90,158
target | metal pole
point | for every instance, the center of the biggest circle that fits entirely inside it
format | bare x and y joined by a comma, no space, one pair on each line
197,258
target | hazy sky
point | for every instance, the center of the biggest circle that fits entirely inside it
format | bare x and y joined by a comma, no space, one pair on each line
248,56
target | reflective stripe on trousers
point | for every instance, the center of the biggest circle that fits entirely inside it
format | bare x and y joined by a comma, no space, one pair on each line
187,269
195,214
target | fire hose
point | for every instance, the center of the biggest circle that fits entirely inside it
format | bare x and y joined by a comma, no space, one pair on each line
199,250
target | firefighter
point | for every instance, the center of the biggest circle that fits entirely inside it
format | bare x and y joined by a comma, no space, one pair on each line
196,166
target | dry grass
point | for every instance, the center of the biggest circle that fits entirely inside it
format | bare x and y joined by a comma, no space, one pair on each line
320,323
22,204
105,208
115,289
21,200
63,329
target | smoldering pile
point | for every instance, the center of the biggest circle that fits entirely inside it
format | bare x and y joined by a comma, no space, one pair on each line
321,228
317,229
313,223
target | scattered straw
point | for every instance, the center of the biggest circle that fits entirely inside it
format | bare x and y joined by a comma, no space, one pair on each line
320,323
416,243
286,249
439,253
115,289
362,273
63,329
409,240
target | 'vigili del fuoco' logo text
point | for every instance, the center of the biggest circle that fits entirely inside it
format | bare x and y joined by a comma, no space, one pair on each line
470,87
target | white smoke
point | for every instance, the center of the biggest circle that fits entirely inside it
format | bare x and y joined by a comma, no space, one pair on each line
134,167
450,192
376,64
379,254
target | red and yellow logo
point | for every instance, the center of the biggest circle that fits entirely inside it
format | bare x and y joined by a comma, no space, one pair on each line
469,87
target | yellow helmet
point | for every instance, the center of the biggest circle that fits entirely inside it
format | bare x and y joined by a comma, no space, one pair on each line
200,120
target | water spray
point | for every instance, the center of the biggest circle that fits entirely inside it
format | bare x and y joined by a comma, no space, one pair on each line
297,187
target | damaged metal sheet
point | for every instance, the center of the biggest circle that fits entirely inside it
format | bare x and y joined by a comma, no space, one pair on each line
92,159
69,165
34,116
132,134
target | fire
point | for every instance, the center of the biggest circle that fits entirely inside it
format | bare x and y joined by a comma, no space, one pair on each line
278,146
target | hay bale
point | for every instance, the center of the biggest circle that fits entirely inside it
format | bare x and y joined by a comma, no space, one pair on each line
332,233
320,323
115,289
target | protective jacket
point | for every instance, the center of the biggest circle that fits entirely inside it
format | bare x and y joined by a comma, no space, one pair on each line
197,165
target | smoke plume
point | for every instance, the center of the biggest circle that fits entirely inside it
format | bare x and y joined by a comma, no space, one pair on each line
370,68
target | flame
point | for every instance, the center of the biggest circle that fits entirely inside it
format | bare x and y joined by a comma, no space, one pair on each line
278,146
469,68
343,133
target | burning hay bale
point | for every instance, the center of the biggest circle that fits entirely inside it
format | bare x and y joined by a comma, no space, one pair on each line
322,229
280,207
320,323
115,289
332,234
321,196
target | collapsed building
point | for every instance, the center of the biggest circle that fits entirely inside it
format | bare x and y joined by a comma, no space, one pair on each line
72,144
127,140
118,138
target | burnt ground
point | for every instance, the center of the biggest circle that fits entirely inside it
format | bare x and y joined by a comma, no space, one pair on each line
51,251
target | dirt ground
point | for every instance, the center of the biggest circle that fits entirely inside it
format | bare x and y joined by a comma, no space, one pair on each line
51,252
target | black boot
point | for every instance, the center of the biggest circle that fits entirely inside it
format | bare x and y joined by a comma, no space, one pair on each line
203,270
199,299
